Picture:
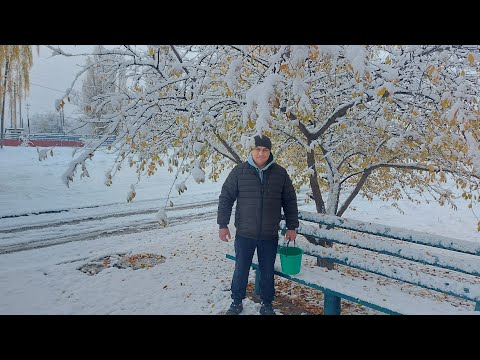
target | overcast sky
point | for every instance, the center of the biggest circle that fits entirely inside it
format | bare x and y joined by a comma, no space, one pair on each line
50,77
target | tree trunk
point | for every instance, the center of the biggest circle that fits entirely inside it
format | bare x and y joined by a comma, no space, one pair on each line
320,207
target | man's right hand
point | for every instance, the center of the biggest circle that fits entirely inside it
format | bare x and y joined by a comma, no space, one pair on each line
224,234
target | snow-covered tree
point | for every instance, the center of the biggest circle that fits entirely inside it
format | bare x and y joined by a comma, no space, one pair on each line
47,122
15,64
102,80
345,120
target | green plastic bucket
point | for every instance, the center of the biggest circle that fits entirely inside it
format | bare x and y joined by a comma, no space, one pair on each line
290,259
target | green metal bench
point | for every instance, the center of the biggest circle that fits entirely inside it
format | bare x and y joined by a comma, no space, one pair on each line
388,269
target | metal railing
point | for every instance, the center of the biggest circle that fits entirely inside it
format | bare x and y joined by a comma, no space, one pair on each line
57,137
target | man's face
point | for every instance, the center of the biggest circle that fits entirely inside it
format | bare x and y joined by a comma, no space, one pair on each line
260,155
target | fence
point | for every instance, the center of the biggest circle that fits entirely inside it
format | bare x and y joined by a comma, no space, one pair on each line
47,140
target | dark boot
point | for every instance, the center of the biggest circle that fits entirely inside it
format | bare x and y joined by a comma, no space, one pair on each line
267,309
234,309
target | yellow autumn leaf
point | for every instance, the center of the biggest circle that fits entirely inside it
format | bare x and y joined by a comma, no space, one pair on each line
276,103
444,103
229,93
454,119
313,53
470,58
285,69
430,70
251,125
151,51
382,91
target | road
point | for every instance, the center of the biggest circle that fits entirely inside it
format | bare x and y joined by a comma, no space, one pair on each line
84,224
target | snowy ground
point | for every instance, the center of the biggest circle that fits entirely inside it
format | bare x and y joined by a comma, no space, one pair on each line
40,255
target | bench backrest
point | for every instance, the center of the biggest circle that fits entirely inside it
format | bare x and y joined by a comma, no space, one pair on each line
447,265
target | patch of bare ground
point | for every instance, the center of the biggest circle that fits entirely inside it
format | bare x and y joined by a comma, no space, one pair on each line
296,299
122,261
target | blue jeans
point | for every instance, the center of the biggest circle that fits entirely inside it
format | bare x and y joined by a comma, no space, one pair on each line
266,254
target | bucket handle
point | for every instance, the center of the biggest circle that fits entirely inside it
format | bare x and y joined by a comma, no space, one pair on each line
294,244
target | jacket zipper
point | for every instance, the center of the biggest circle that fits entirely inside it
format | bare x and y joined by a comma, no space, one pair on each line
261,199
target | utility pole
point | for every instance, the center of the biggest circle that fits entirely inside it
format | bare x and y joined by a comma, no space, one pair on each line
20,112
28,118
3,104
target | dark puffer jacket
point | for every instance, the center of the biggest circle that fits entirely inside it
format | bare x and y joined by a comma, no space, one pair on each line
258,210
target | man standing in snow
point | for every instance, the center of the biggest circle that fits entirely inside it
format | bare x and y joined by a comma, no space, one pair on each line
261,188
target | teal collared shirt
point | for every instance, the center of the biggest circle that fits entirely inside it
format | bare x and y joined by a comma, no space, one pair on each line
260,171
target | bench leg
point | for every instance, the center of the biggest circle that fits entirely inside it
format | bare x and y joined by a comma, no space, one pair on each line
258,291
331,305
477,306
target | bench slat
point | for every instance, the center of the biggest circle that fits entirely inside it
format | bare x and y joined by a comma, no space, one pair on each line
349,258
465,263
392,232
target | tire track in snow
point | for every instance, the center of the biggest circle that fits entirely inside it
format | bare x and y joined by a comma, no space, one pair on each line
133,227
81,219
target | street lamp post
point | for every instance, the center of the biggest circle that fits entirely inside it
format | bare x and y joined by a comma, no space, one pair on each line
3,104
